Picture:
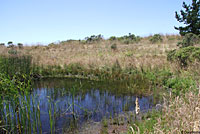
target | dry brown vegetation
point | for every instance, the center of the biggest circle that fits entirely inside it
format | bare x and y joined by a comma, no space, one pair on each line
100,54
181,114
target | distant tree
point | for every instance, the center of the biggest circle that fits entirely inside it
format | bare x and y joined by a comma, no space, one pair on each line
112,38
20,45
2,44
94,38
10,44
190,16
113,46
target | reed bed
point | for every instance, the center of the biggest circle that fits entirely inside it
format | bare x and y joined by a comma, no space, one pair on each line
17,113
14,65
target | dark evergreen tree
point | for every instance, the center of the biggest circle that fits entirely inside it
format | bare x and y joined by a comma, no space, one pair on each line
190,16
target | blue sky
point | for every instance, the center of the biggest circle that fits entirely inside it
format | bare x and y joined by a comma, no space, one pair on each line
45,21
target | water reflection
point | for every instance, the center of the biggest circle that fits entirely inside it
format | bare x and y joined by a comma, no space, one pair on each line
75,101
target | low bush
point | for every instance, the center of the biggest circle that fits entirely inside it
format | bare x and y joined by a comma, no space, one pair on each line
20,45
112,38
12,52
156,38
184,56
189,39
131,38
180,85
113,46
94,38
127,39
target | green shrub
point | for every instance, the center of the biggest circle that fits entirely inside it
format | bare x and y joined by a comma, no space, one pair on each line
10,44
127,39
180,85
184,56
20,45
114,46
156,38
131,38
94,38
189,39
12,52
112,38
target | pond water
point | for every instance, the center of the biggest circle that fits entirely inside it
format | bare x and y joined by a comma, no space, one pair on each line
75,101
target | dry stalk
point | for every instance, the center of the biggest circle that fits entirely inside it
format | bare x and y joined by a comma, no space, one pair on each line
137,107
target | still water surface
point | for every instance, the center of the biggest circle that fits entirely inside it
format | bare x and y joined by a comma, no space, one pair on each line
76,101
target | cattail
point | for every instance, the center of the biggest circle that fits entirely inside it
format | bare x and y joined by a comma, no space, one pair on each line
137,107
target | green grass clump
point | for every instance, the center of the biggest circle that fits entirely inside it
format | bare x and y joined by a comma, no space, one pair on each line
147,124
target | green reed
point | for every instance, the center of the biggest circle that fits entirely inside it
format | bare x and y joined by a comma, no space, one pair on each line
52,114
13,65
17,114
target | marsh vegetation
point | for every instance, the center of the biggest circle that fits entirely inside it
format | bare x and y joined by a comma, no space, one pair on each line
64,85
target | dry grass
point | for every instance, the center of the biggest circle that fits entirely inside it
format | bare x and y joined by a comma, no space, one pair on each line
181,114
100,54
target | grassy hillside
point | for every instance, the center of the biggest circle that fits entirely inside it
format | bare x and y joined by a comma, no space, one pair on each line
101,53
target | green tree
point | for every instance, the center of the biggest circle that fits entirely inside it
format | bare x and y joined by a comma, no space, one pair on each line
10,44
190,16
2,44
20,45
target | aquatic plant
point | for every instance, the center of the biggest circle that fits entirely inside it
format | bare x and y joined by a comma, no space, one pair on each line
16,65
15,105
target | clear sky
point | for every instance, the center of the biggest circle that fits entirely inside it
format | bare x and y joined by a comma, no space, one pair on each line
45,21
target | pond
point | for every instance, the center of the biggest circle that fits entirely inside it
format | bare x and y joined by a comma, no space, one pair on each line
76,101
